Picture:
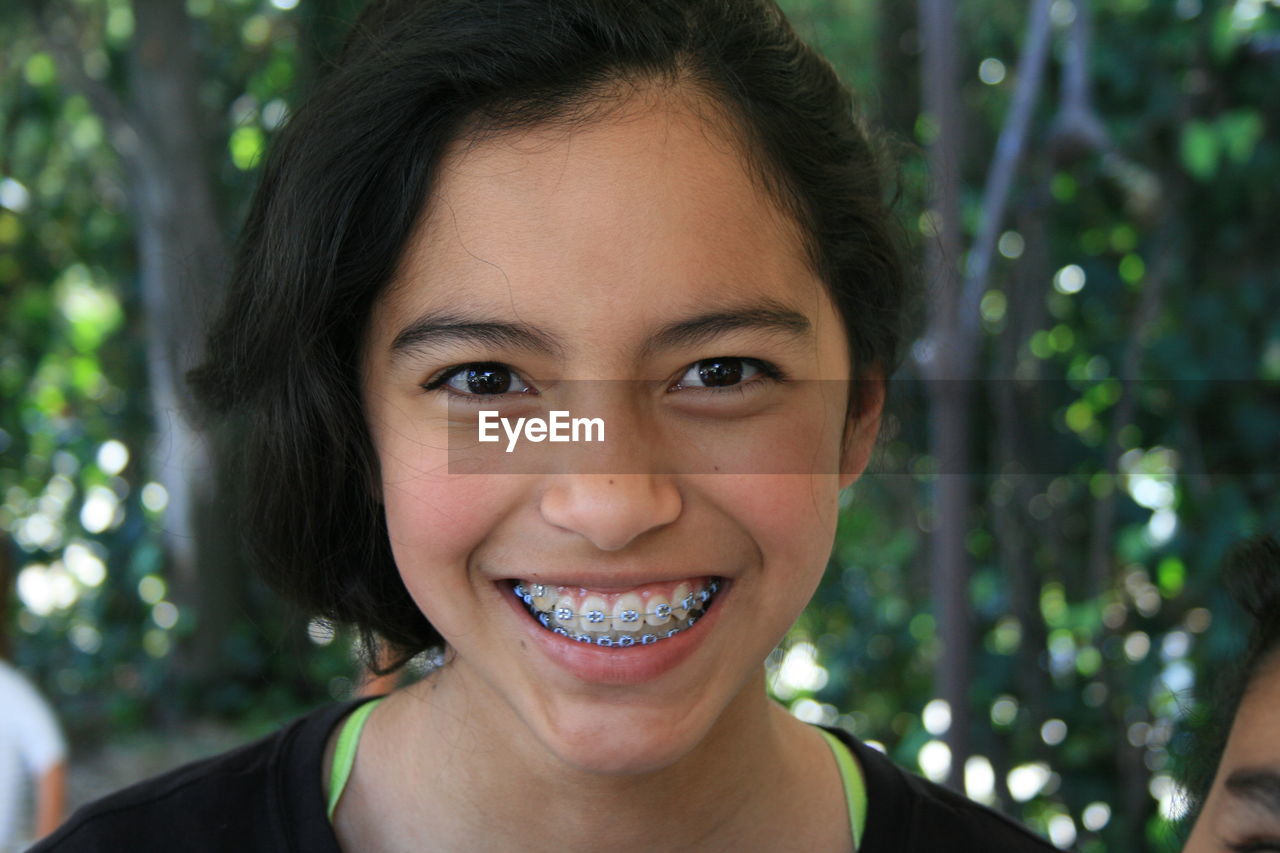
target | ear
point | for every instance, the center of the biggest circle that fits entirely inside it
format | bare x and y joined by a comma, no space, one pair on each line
866,405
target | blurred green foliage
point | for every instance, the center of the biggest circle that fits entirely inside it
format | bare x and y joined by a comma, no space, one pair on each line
1186,91
1080,697
94,616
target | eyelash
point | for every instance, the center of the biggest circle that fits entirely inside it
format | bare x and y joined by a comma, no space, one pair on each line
770,372
1261,845
437,382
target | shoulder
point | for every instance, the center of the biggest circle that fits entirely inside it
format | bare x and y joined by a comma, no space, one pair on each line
262,796
29,722
19,693
907,813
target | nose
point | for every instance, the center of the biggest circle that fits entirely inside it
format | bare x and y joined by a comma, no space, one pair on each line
611,510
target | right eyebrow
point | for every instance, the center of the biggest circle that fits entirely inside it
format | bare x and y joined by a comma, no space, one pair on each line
433,331
769,317
1259,786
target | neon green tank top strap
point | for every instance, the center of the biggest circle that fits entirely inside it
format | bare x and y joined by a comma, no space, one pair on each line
344,754
855,789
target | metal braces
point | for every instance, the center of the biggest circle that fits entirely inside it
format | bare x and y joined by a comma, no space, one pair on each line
596,617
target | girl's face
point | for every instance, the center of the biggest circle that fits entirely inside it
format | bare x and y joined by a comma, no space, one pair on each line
1242,811
636,249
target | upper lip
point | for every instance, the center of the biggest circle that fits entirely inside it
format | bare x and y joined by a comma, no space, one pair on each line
611,582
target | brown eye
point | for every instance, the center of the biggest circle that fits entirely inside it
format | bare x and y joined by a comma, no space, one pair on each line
484,379
720,371
725,372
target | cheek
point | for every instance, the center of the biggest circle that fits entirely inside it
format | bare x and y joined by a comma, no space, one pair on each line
791,519
437,515
433,517
796,506
435,524
800,434
796,514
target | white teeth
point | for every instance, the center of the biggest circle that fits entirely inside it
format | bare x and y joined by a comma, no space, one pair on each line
542,596
564,615
627,611
679,601
628,620
659,610
595,615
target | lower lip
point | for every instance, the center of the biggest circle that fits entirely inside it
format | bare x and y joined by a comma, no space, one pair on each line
614,665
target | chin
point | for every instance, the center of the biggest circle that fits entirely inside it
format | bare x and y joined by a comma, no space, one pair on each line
621,741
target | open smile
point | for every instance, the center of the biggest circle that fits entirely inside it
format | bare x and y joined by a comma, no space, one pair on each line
639,617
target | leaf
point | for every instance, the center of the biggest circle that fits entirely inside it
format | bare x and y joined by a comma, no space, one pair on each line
1240,131
246,146
1200,149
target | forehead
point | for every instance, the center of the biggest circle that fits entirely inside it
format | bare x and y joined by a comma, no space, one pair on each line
654,195
1253,733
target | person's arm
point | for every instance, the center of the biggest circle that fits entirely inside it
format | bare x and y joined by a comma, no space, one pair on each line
51,790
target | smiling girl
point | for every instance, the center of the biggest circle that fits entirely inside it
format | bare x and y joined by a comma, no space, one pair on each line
665,216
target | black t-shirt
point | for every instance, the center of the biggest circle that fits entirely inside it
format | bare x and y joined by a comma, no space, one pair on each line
267,796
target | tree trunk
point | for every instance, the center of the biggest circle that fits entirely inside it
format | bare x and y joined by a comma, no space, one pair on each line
181,259
953,343
898,77
1014,447
947,368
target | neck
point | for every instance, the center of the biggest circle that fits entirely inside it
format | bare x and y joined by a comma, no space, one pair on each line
454,775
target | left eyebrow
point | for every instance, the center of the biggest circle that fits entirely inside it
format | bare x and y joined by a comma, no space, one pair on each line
1259,786
438,330
768,316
